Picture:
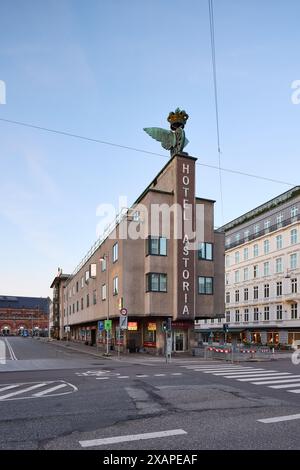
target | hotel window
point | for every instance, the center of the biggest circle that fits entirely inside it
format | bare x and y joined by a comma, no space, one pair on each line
266,268
205,285
81,303
87,300
228,297
294,311
82,282
115,285
246,294
255,292
94,297
236,276
87,275
293,261
237,295
255,250
256,229
156,282
73,308
103,292
255,271
278,312
267,226
103,264
115,252
228,316
255,314
279,242
279,268
246,235
77,306
237,316
77,286
294,286
227,261
266,291
294,212
246,274
205,251
70,310
294,237
266,313
279,288
246,254
237,257
246,315
157,246
73,289
266,246
279,220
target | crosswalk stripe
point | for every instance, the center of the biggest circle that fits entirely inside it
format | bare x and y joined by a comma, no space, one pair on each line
279,418
24,390
294,391
159,375
8,387
238,372
49,390
102,378
270,382
123,377
285,385
279,375
226,371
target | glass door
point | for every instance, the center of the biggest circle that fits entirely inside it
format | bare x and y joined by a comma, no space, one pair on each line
179,341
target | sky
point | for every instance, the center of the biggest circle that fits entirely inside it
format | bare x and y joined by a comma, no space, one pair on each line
105,69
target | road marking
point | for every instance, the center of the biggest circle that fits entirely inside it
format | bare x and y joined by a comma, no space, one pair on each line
279,419
49,390
226,371
142,375
102,378
268,382
294,391
8,395
176,373
279,375
284,386
241,372
131,437
159,375
10,350
123,377
8,387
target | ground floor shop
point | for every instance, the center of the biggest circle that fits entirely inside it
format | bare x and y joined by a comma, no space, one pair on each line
142,335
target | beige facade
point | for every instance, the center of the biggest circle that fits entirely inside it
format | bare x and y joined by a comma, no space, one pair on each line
154,276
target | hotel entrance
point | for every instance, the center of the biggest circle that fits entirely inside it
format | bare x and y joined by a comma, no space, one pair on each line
179,340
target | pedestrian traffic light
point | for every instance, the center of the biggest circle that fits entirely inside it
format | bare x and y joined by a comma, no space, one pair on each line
225,327
164,326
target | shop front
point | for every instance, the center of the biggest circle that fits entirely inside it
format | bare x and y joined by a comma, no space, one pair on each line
180,336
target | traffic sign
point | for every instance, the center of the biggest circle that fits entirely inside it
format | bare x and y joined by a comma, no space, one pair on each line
107,325
123,323
123,311
100,325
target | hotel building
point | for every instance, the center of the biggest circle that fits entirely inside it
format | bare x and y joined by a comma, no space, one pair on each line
156,276
262,264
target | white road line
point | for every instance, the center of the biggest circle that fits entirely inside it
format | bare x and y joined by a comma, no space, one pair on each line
8,387
282,375
102,378
176,373
242,372
131,437
294,391
285,385
226,371
49,390
142,375
123,377
279,418
24,390
268,382
10,350
159,375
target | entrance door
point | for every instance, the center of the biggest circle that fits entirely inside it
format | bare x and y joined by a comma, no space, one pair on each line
93,337
179,341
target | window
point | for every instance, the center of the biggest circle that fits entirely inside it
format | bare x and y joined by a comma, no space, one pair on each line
256,229
73,290
82,282
294,286
205,285
81,303
266,246
255,292
227,278
266,268
205,251
87,275
255,314
87,300
255,250
294,311
227,297
93,270
219,320
237,295
77,286
103,264
293,261
294,211
94,297
279,288
294,236
279,265
246,274
267,225
237,257
103,292
156,282
115,252
227,261
73,308
158,246
228,316
279,242
278,312
115,285
266,291
246,294
237,315
246,235
279,220
70,310
255,271
237,237
266,313
77,306
246,254
236,276
228,241
212,320
136,216
246,315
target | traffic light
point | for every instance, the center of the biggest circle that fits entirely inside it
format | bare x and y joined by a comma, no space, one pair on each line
225,327
169,325
164,326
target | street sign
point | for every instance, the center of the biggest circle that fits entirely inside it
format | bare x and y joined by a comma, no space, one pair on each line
123,323
107,325
67,329
100,325
123,311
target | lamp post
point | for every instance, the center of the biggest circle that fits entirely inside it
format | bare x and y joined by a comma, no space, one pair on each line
105,259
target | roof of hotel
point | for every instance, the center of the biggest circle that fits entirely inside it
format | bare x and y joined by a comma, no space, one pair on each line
14,302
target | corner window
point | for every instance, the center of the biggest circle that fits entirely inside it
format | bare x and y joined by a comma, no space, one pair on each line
205,285
157,246
156,282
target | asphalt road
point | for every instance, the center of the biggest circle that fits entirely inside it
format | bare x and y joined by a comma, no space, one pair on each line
54,398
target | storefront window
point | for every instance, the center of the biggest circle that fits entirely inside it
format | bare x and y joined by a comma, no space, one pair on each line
150,335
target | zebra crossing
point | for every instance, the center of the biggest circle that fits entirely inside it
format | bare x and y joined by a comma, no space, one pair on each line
272,378
21,391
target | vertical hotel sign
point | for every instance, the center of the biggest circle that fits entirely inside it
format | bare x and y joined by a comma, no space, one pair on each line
185,199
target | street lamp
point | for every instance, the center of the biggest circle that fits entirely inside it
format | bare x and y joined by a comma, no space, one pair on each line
105,259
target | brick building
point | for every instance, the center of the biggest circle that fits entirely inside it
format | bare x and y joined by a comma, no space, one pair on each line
23,313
